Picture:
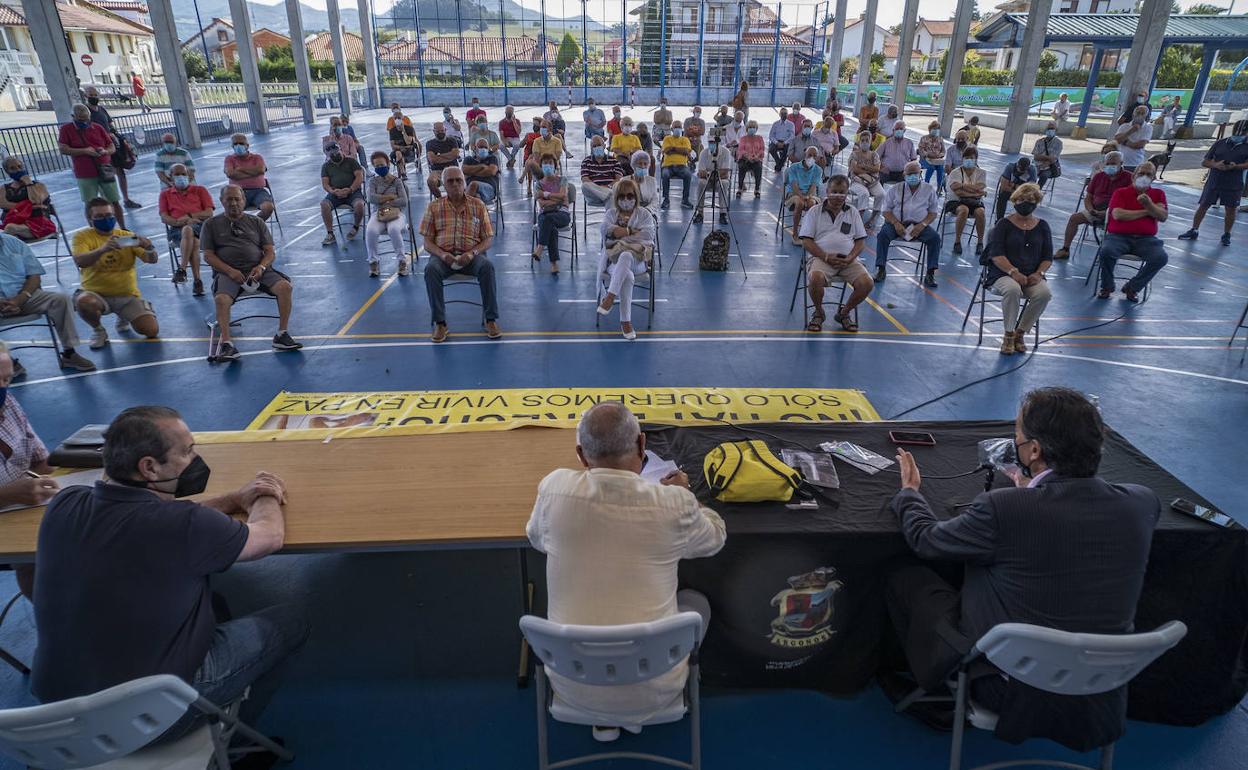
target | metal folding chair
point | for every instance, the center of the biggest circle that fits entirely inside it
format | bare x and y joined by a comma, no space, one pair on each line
214,329
1057,662
983,296
568,232
801,286
113,729
1240,325
949,217
609,656
1133,263
32,322
650,287
58,239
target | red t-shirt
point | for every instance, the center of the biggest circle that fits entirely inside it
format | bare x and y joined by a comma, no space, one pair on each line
178,204
94,135
509,129
1126,198
249,162
473,114
1103,186
613,126
137,84
797,119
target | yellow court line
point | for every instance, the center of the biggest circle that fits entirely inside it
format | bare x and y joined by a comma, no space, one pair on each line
364,308
888,315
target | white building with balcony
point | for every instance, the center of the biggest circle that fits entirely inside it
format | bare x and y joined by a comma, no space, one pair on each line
1070,56
116,46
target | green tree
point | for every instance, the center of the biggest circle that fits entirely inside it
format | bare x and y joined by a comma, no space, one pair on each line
1206,9
278,54
569,51
1180,64
194,63
1048,61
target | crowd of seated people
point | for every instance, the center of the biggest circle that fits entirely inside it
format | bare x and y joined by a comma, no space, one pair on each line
703,156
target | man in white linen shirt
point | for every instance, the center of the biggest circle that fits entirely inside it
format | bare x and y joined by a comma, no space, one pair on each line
612,542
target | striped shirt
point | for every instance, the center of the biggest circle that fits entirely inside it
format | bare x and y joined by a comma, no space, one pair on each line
603,171
166,160
457,229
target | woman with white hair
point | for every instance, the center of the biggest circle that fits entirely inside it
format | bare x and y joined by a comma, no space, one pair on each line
628,249
647,182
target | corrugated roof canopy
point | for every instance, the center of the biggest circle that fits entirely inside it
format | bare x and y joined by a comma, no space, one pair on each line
1007,28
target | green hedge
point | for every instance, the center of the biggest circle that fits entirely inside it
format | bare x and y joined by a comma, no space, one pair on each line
1078,78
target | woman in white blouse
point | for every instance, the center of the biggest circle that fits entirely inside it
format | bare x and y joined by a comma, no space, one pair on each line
628,250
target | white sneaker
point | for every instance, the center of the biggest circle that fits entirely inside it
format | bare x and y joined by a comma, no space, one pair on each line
99,338
606,734
123,326
403,268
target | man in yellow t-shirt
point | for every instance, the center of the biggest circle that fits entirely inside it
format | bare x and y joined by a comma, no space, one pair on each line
676,150
548,143
105,255
625,143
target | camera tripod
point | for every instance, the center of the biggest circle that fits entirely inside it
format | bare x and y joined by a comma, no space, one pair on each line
732,232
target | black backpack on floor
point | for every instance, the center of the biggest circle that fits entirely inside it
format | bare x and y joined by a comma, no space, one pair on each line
714,254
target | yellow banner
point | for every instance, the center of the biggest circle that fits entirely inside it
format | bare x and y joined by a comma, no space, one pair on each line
295,416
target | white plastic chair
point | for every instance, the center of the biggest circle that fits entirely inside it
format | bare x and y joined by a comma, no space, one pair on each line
609,656
109,729
1058,662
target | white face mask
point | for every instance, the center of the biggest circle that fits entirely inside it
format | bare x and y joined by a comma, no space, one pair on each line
808,162
1143,182
627,204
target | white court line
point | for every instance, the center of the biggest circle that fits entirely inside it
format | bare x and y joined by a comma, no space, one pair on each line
771,341
594,300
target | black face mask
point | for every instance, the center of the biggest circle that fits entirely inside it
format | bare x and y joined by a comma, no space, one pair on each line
1024,207
1018,458
93,100
192,481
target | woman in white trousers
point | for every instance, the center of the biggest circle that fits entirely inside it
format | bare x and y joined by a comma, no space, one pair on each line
387,194
628,250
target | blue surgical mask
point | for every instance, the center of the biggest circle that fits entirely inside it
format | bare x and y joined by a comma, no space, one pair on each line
337,130
751,130
712,147
240,149
806,131
105,224
382,170
933,132
483,152
170,146
16,176
900,133
1111,169
1050,133
544,131
912,180
677,131
599,152
548,169
82,123
181,181
968,163
640,173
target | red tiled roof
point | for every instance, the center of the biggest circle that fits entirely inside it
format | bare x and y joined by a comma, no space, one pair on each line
938,28
321,47
769,39
121,5
476,49
79,17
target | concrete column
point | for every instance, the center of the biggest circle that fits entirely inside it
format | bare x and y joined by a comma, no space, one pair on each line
247,64
370,52
340,56
836,52
1145,51
1080,130
55,59
303,72
168,49
864,61
905,52
954,60
1027,66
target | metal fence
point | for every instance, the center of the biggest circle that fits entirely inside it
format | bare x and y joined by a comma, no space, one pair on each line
38,145
576,45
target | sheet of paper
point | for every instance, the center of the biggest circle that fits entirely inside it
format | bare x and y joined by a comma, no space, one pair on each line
75,479
656,468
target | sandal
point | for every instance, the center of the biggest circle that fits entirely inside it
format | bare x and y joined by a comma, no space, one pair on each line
537,255
816,323
846,320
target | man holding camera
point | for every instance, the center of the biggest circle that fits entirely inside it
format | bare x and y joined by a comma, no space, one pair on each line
106,254
239,248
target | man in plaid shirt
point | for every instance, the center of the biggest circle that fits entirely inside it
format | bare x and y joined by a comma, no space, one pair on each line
457,232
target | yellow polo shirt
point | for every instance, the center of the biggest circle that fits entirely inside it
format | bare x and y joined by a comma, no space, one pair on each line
113,274
625,143
551,145
676,143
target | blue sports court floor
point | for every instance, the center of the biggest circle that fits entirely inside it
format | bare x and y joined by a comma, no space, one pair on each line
408,666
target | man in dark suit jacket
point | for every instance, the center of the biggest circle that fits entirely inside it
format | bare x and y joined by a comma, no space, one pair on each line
1063,549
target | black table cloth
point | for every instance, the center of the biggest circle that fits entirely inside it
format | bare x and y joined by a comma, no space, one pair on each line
797,595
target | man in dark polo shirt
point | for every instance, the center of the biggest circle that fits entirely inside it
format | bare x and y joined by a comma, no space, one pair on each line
239,248
442,152
1227,160
343,181
122,573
